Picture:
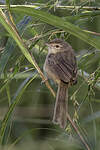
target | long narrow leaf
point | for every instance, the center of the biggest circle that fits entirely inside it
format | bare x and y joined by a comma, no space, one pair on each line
15,101
60,23
11,44
15,36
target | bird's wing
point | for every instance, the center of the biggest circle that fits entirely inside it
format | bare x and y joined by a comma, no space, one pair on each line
61,67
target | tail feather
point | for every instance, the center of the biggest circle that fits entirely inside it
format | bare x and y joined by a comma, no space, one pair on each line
61,105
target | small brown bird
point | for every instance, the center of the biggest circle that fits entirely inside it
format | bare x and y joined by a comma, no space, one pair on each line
60,66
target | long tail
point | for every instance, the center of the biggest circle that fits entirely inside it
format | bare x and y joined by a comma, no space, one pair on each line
61,105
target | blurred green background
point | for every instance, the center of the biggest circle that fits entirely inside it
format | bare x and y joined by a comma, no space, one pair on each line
30,124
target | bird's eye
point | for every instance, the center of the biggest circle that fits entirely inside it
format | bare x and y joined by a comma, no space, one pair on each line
57,46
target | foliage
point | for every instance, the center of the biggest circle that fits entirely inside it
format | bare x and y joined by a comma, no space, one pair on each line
25,27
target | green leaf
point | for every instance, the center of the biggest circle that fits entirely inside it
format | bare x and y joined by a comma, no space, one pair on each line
9,49
15,101
16,37
60,23
11,44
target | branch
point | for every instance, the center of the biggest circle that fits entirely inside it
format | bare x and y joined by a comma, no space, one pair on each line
77,131
79,7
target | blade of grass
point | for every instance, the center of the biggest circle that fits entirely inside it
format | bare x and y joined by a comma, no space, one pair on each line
94,128
8,94
11,44
16,99
85,14
60,23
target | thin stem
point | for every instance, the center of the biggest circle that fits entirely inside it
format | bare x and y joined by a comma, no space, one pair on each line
79,7
77,131
57,6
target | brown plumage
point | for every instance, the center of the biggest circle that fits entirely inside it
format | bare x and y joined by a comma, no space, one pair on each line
60,66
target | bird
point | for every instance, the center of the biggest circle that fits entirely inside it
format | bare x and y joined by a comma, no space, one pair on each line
61,66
